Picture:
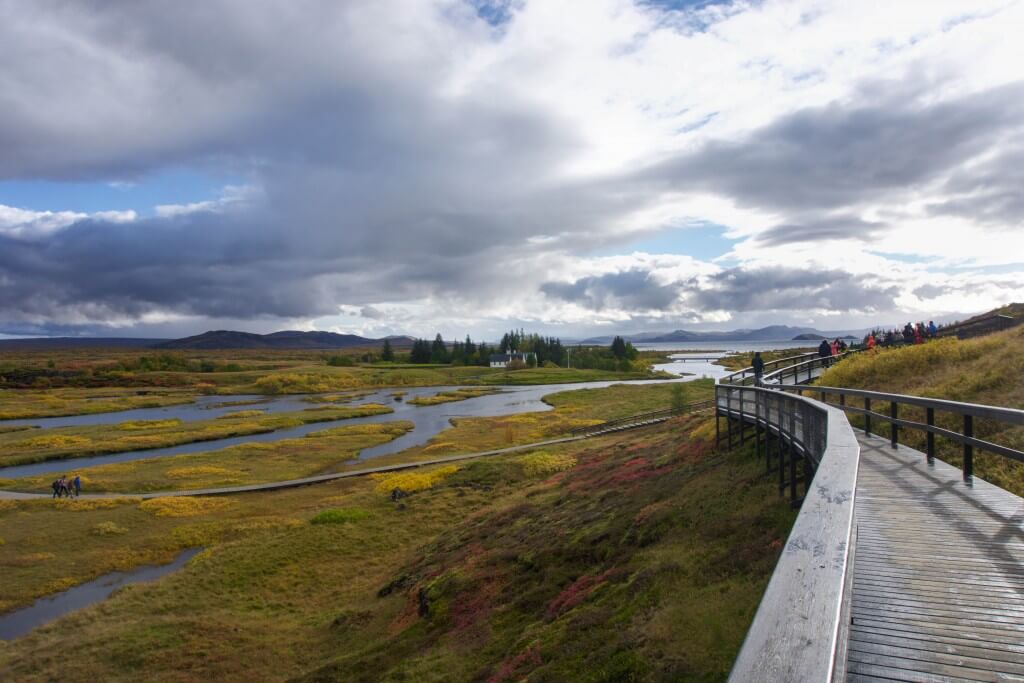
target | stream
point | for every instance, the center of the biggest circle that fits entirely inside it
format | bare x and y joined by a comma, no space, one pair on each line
428,420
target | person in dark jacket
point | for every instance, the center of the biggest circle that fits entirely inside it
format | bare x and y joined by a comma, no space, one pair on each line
824,349
758,365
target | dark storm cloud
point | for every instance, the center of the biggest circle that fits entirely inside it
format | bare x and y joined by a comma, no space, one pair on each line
778,288
632,289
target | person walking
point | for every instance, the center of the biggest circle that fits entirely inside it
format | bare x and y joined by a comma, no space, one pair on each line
871,342
933,331
758,365
77,482
56,488
908,333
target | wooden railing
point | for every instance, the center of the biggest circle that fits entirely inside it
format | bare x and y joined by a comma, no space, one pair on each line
965,414
800,623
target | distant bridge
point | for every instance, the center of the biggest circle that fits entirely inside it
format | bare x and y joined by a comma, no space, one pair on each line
899,567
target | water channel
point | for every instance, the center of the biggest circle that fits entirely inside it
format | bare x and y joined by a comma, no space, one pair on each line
428,420
44,610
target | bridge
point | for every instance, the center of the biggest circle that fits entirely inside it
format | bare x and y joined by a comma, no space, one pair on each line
899,567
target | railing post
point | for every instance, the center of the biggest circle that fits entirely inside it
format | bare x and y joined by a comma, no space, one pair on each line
757,424
743,423
842,399
783,449
728,413
867,416
930,413
893,431
968,448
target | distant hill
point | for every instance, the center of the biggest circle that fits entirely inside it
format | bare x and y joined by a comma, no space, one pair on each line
763,334
46,343
288,339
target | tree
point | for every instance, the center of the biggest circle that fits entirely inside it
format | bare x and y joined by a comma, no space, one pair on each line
420,351
438,350
387,354
619,348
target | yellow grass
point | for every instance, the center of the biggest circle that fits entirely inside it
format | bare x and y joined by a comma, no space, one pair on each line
542,463
184,506
413,481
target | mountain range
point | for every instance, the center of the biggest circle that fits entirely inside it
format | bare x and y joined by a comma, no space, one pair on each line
763,334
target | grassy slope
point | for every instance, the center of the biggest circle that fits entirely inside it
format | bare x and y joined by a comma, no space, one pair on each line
644,561
987,370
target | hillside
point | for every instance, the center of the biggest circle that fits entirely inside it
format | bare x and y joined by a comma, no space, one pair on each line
987,370
762,334
639,557
289,339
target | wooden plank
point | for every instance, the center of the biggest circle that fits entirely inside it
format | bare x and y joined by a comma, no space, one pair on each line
938,589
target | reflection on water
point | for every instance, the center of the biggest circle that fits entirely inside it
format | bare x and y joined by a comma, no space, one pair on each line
44,610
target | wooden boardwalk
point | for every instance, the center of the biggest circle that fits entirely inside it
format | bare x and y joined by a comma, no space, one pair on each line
938,573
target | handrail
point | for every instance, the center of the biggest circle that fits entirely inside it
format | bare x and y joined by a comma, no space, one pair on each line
966,411
746,375
800,620
796,631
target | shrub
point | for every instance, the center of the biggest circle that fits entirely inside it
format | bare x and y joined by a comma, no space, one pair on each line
108,529
413,481
339,516
541,463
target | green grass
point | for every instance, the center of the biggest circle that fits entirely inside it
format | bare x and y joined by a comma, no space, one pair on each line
451,396
339,516
643,561
66,442
987,370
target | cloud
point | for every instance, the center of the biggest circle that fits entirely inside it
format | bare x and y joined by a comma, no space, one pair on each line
463,162
779,288
636,290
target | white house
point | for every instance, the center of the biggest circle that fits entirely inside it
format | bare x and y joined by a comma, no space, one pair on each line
501,360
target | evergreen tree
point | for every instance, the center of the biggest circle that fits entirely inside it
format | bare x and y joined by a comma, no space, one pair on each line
420,351
387,353
619,348
438,350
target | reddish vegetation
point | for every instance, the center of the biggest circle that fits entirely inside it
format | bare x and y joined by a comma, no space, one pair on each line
509,668
472,608
575,593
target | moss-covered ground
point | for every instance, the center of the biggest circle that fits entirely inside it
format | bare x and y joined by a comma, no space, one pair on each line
636,557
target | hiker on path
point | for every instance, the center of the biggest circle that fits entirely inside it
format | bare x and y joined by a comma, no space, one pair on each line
758,365
933,331
871,341
908,333
824,350
78,485
56,488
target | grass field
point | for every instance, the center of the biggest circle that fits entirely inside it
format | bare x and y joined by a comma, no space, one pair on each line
987,370
636,557
450,396
22,404
21,447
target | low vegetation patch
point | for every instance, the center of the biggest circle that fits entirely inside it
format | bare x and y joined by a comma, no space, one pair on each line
451,396
410,482
339,516
184,506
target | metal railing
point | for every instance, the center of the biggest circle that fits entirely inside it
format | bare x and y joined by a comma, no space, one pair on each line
978,327
746,375
641,419
964,413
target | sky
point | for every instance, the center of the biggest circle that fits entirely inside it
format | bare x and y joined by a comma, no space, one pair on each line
571,167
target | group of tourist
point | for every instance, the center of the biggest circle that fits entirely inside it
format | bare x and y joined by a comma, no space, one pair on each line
827,349
64,487
910,334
